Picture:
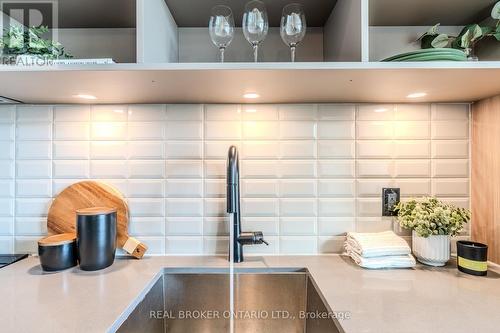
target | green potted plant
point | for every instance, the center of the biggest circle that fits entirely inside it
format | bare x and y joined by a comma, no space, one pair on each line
467,38
432,223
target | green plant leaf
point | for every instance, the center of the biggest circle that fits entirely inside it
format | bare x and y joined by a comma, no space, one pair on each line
440,41
426,42
433,31
497,36
495,12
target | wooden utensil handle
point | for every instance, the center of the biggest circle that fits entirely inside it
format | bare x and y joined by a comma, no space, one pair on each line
134,247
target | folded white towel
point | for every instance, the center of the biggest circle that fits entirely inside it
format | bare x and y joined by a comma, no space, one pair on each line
369,245
405,261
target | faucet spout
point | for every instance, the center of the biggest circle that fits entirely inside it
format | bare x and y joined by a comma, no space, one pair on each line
233,208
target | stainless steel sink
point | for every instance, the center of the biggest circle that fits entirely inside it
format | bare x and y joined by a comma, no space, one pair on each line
271,300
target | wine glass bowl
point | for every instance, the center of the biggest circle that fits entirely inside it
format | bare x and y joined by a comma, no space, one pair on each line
221,28
255,24
293,26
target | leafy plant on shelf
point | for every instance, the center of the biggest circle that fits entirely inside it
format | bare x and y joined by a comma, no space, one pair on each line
429,216
17,40
466,39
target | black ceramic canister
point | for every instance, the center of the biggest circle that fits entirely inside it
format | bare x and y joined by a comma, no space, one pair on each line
472,258
96,237
57,252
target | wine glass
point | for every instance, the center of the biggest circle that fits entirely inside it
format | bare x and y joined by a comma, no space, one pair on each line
255,24
293,26
221,28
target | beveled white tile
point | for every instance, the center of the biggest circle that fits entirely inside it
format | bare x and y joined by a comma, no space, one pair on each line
298,226
375,112
156,245
71,150
413,112
215,188
7,244
146,188
7,169
414,130
369,207
73,169
414,187
34,113
150,207
222,112
218,149
331,244
184,111
120,185
147,150
184,207
412,168
7,149
298,207
222,130
260,130
297,169
412,149
146,131
71,131
29,226
375,149
33,169
450,149
184,226
31,188
215,169
184,169
297,188
375,168
34,131
297,111
7,131
183,149
109,131
297,149
146,169
109,113
374,130
183,130
146,112
336,111
7,113
34,207
373,187
33,150
215,207
268,225
147,226
298,245
259,150
334,226
450,187
258,169
72,113
108,150
7,188
297,130
259,207
336,207
451,129
336,169
259,112
184,188
336,188
183,245
6,207
334,149
459,202
450,168
258,188
58,185
26,244
215,245
373,224
450,111
108,169
336,130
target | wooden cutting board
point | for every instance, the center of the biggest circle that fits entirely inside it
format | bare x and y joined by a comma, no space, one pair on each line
86,194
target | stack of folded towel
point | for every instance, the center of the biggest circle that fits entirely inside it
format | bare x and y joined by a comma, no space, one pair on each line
379,250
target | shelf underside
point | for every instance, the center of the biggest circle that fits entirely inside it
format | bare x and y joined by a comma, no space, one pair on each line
276,83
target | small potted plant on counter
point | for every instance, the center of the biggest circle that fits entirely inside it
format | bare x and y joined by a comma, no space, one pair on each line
432,222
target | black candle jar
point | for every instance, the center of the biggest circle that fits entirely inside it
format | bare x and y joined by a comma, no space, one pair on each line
472,258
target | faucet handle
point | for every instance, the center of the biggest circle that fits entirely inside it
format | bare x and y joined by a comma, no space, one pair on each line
259,238
263,241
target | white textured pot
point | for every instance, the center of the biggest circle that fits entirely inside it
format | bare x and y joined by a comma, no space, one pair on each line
433,250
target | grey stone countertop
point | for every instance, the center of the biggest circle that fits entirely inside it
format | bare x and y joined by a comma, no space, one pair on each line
401,301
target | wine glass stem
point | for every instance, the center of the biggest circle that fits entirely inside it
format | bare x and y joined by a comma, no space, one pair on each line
222,49
255,52
292,51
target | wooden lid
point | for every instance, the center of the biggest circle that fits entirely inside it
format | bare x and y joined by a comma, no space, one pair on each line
96,211
58,239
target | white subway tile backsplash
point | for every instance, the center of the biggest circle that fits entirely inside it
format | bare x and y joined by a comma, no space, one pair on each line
184,226
413,112
216,169
297,169
183,150
71,113
292,188
34,131
32,207
184,112
336,111
340,188
70,150
215,245
450,168
7,113
215,188
336,207
298,226
338,130
71,131
113,131
374,130
108,150
257,169
26,244
34,113
31,188
146,150
375,168
215,207
411,130
375,112
108,169
7,169
412,168
260,130
7,131
259,112
7,244
29,226
184,188
336,169
7,189
298,245
268,225
298,207
297,111
184,169
297,130
223,112
72,169
184,207
369,207
412,149
450,187
33,169
146,131
222,130
375,149
452,129
297,149
183,130
450,149
450,112
146,188
146,169
259,207
6,207
329,244
253,188
150,207
147,226
414,187
147,113
183,245
109,113
335,226
7,150
33,150
372,187
336,149
258,150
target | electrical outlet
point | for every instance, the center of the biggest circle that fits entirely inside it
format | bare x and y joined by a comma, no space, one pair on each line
390,198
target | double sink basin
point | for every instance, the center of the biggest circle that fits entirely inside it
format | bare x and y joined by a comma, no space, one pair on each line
244,300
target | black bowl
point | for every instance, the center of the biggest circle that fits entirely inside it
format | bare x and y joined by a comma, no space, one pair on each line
58,252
